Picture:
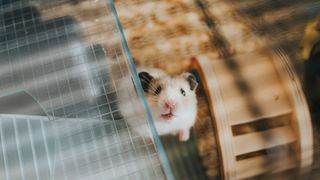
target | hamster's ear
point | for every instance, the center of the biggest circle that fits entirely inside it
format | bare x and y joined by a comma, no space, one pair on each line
145,79
192,80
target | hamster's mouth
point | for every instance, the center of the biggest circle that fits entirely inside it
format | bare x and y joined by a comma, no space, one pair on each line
169,116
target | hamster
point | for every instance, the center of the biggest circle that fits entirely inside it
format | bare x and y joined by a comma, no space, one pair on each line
172,101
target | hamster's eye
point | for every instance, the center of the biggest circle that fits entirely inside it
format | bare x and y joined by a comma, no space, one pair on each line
158,90
182,92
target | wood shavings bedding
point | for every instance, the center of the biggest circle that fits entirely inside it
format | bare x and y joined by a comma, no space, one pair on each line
162,32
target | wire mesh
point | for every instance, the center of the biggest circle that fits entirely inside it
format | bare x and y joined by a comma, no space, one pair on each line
71,73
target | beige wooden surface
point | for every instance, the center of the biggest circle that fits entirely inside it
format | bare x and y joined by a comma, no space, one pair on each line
246,90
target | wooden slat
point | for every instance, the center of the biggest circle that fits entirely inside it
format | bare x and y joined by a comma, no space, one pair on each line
223,128
247,89
265,96
263,164
262,140
270,102
302,121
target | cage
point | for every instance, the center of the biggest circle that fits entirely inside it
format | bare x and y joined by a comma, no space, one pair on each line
67,65
59,114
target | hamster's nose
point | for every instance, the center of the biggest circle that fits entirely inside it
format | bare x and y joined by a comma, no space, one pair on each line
170,104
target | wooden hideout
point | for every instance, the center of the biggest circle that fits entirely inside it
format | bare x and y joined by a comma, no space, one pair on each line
261,117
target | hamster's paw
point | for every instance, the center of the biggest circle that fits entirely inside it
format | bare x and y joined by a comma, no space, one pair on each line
184,135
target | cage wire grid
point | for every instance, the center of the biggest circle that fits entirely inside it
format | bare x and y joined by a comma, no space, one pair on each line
76,131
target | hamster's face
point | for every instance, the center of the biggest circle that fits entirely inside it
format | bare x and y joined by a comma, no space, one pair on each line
170,98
